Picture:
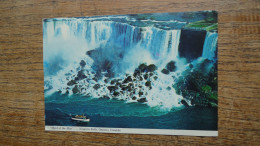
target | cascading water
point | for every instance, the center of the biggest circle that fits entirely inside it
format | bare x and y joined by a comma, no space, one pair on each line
210,45
135,44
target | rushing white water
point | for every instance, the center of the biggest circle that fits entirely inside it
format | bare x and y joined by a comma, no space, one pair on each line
210,45
67,41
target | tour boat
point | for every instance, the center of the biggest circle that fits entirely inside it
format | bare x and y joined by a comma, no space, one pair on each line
80,118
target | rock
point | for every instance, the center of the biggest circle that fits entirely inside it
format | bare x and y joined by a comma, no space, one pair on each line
151,68
113,81
184,103
106,97
106,80
75,90
95,78
112,88
72,82
131,84
171,66
82,63
150,74
141,78
145,76
148,84
142,67
135,73
134,98
116,93
128,79
155,78
129,88
142,100
89,53
141,93
168,88
165,71
96,86
123,88
81,75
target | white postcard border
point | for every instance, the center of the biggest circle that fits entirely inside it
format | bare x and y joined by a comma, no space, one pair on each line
133,130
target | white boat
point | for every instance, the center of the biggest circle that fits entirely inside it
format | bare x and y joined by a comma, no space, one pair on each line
80,118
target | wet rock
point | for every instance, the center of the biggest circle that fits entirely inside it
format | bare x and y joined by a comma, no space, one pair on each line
82,63
142,100
89,53
106,80
112,88
75,90
96,86
151,68
171,66
123,88
135,73
146,76
134,98
116,93
165,71
148,84
81,75
129,88
72,82
142,67
113,81
106,97
128,79
141,93
131,84
184,103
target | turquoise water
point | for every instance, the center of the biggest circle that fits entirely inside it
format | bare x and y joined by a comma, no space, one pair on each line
119,114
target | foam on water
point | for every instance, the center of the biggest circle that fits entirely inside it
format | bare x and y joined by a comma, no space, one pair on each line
67,41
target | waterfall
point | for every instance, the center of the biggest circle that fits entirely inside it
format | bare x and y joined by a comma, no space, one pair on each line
160,43
210,45
121,47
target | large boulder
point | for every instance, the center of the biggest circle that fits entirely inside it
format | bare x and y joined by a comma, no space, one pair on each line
142,100
165,71
128,79
151,68
75,89
82,63
171,66
142,67
71,83
81,75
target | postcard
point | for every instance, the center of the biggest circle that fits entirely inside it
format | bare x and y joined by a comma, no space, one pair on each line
138,73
